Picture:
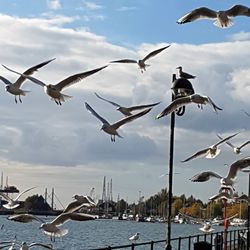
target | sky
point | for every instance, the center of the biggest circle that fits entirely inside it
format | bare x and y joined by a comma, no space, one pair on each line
46,145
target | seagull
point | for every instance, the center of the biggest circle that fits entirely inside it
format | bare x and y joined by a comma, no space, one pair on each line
207,228
229,179
183,74
127,110
210,152
25,246
141,63
52,228
180,102
24,218
237,150
222,17
112,128
13,203
54,90
222,196
15,88
134,237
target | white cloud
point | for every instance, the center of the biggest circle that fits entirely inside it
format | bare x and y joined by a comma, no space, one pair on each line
126,8
54,4
92,5
241,36
38,135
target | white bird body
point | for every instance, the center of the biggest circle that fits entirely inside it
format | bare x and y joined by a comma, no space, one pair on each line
222,18
15,88
135,237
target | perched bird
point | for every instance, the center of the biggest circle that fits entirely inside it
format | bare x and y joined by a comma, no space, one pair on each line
25,246
52,228
237,150
183,74
230,178
210,152
15,88
207,228
134,237
222,17
24,218
127,110
180,102
13,203
112,128
54,91
141,63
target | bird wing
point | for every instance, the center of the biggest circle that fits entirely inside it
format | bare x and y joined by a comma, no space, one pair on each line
23,193
198,154
215,107
81,217
225,139
6,197
177,103
25,218
124,61
113,103
76,78
33,79
143,106
238,10
199,13
227,142
244,144
92,111
153,53
73,206
49,246
205,176
238,165
6,81
121,122
60,219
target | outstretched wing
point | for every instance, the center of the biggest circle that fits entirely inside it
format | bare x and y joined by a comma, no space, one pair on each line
153,53
6,81
198,154
76,78
124,61
196,14
143,106
244,144
49,246
225,139
6,197
92,111
205,176
113,103
238,165
23,193
227,142
129,119
238,10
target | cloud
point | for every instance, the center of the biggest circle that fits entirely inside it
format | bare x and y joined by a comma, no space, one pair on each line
126,8
54,4
240,36
38,135
92,5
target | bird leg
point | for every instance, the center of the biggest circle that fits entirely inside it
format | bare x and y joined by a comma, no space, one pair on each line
15,99
20,99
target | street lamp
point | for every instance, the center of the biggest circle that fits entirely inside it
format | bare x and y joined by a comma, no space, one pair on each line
181,87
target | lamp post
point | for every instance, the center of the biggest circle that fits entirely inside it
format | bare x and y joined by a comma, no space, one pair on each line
181,87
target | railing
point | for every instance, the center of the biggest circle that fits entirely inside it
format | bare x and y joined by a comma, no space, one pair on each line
235,241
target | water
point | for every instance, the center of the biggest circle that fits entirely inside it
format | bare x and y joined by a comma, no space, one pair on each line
95,234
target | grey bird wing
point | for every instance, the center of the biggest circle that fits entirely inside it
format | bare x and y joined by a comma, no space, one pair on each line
23,193
221,196
6,81
244,144
92,111
6,197
24,218
198,154
49,246
113,103
76,78
81,217
238,165
227,142
205,176
215,107
199,13
238,10
177,103
33,79
121,122
73,206
153,53
143,106
225,139
124,61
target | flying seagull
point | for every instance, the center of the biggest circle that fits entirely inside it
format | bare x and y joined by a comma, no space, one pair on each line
141,63
210,152
25,246
180,102
224,195
205,176
183,74
54,90
24,218
229,179
222,18
15,88
13,203
135,237
112,128
127,110
237,150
